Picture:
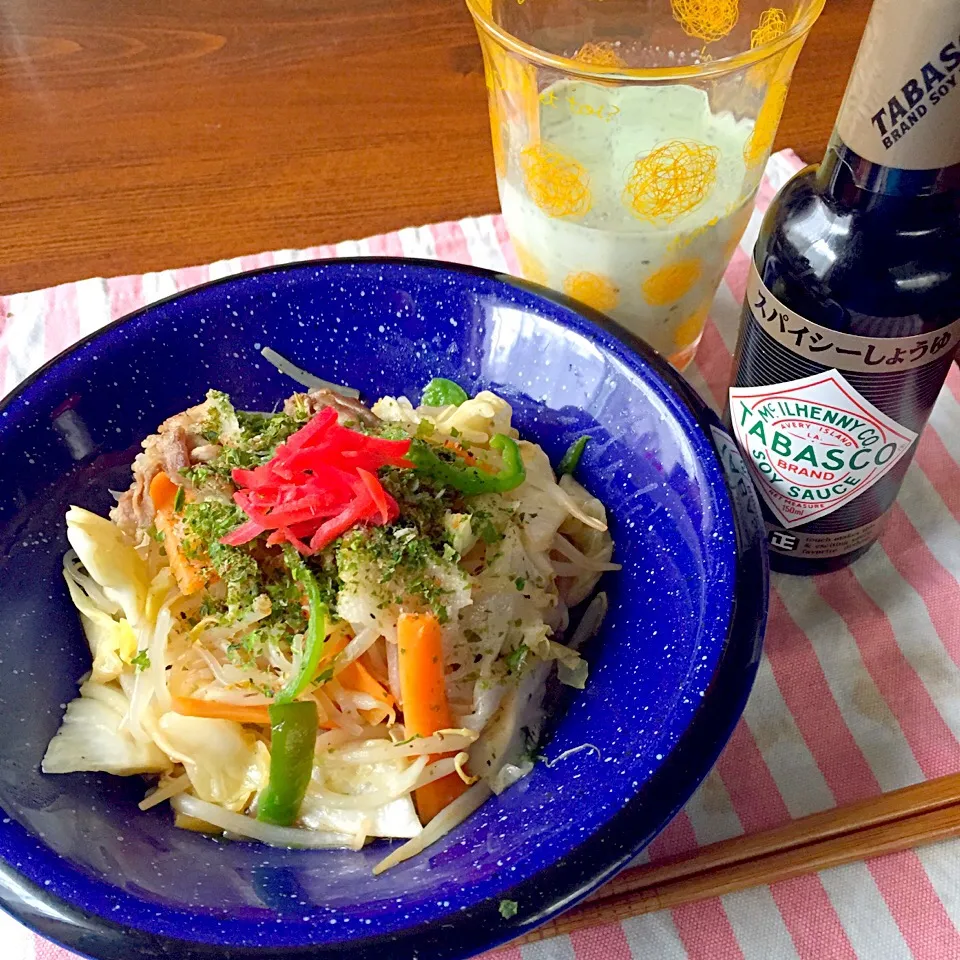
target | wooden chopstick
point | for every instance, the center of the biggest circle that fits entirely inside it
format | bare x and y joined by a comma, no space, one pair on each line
905,818
897,805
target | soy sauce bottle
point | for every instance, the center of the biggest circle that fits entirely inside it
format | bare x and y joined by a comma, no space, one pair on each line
850,321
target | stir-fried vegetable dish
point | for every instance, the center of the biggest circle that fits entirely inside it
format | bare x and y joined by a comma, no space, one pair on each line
331,623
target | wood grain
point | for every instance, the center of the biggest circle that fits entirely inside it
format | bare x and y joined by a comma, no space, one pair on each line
138,136
897,805
900,820
888,838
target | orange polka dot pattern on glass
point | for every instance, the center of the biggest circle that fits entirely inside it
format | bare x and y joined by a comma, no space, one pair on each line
688,331
593,289
556,183
601,54
773,24
671,282
530,266
707,20
765,129
671,180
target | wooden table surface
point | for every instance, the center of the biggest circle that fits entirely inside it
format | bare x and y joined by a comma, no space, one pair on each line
137,136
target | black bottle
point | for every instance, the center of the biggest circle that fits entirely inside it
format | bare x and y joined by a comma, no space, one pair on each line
851,316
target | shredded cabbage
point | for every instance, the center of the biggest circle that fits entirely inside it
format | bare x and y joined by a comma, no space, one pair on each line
225,763
110,560
373,799
113,642
91,738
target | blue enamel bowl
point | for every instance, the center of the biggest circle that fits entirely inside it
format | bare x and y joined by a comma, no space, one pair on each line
670,669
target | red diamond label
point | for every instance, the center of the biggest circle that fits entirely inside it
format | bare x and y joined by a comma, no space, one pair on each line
814,444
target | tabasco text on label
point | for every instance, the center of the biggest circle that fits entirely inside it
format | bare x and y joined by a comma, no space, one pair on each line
814,444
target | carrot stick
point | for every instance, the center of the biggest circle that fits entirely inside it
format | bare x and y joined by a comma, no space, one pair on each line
425,706
357,677
431,798
216,710
377,668
163,493
422,686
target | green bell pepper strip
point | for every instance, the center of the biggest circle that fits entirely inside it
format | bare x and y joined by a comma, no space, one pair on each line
314,639
571,458
293,739
470,480
440,392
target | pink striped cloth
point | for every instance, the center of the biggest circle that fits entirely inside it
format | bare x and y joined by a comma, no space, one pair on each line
856,694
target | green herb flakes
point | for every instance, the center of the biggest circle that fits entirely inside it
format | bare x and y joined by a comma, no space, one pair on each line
392,431
200,475
141,661
403,743
323,677
483,526
252,443
517,658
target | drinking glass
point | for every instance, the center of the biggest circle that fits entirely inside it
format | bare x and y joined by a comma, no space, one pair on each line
629,138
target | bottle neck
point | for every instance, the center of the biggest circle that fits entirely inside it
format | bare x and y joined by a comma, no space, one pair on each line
897,136
855,183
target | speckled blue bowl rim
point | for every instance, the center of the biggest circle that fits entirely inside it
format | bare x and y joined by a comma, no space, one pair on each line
50,896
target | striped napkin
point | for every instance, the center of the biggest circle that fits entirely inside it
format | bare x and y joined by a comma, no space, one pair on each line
856,694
